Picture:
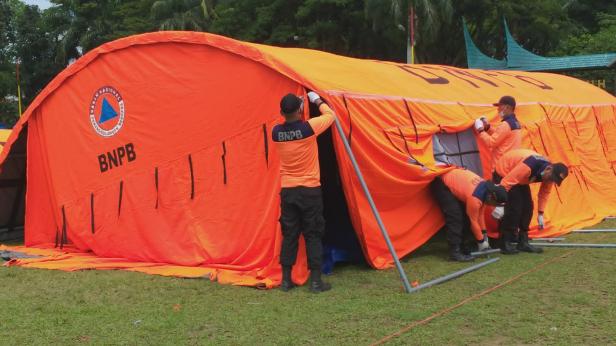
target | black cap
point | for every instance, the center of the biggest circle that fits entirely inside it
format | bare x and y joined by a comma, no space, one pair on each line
499,192
559,173
290,103
506,100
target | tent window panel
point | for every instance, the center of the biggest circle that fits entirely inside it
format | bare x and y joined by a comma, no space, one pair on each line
459,149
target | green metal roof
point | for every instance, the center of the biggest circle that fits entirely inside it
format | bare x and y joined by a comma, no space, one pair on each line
519,58
475,58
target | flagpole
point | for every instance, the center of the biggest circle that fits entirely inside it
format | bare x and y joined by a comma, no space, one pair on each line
18,90
412,32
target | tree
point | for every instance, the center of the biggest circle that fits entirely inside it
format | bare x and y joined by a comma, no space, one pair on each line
8,89
183,14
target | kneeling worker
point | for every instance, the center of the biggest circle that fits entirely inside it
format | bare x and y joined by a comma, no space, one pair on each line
462,189
301,201
519,168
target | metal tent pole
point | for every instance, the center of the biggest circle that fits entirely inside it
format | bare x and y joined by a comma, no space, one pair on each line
454,274
485,252
347,147
612,246
607,230
549,240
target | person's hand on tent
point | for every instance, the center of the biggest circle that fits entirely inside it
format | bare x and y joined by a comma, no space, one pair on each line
484,244
313,97
486,123
540,220
479,125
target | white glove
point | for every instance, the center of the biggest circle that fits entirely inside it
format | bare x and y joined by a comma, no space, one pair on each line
485,244
498,213
479,125
540,220
313,97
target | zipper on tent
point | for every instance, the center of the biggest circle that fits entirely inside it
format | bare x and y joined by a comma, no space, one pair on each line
92,211
156,184
224,162
408,110
120,197
192,177
266,144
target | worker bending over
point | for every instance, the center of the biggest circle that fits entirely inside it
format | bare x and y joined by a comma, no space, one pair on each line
462,196
519,168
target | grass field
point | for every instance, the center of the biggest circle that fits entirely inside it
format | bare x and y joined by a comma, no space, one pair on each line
564,296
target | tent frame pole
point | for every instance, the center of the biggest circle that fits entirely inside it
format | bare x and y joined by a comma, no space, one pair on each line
607,230
375,212
455,275
580,245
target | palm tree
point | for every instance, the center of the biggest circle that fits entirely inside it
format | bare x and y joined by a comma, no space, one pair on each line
430,16
183,14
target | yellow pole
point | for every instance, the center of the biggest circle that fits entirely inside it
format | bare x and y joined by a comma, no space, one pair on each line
412,54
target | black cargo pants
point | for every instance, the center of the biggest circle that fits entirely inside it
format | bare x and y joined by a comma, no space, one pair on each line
457,224
302,212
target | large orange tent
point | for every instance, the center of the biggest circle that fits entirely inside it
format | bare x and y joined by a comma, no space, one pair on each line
152,152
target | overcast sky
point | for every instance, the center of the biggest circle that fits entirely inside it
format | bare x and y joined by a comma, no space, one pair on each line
42,4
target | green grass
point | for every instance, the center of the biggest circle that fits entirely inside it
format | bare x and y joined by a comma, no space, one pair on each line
570,301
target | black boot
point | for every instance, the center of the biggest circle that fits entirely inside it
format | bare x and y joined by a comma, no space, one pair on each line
523,244
507,247
316,284
455,254
287,283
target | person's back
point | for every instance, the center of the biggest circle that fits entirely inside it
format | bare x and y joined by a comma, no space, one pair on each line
301,202
462,183
510,160
298,150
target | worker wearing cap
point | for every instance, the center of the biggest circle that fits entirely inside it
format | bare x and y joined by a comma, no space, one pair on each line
459,191
300,197
519,168
504,137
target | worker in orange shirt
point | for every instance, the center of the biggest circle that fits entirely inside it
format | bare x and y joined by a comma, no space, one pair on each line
301,201
519,168
462,196
506,136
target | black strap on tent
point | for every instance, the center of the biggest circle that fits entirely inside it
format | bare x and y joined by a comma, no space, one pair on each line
156,184
120,197
63,237
224,162
192,177
405,144
57,237
577,129
92,211
266,145
408,110
567,135
350,123
542,142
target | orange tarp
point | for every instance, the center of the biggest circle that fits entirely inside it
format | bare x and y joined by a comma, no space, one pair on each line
155,148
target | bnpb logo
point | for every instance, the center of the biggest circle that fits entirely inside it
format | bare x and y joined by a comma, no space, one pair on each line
107,111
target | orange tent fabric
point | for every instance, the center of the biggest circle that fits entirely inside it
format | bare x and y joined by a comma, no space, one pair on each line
155,148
